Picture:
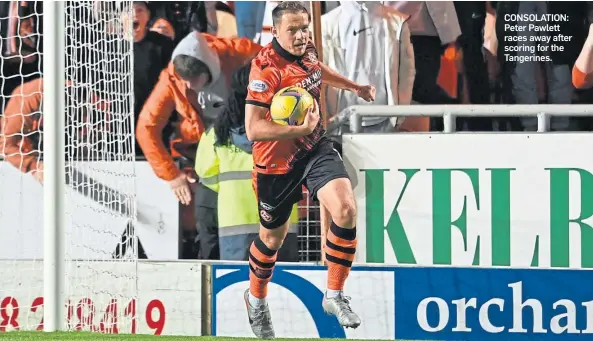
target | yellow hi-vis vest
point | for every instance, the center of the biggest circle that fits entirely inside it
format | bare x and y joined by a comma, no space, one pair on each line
227,171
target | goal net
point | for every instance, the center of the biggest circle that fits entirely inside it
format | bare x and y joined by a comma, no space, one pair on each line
99,185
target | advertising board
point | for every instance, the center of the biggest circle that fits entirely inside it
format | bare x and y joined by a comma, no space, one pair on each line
104,297
417,303
98,212
518,200
493,304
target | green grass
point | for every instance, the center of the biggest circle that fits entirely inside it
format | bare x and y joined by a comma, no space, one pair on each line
76,336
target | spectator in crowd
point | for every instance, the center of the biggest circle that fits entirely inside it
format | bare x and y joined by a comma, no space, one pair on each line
163,27
522,79
186,16
250,18
152,54
582,72
212,17
227,23
434,28
224,164
21,131
369,43
471,16
21,24
22,125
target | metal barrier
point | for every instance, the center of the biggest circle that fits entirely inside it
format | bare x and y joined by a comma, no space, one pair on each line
450,112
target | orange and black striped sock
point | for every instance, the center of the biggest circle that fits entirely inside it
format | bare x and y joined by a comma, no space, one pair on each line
340,250
261,266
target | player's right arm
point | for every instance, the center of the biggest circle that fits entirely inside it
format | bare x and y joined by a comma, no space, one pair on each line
258,128
263,84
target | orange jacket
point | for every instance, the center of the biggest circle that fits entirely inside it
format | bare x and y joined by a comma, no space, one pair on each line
171,94
21,124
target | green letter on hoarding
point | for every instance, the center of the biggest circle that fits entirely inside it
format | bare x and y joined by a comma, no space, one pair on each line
375,219
441,213
560,198
500,225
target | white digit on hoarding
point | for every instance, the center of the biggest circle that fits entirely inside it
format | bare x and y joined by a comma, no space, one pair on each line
82,315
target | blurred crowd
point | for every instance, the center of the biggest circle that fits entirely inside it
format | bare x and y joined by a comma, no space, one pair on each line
189,75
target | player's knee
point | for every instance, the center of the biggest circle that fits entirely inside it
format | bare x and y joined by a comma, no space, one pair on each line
345,214
273,238
271,241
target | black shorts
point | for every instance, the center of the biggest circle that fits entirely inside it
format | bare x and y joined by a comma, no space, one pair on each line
277,193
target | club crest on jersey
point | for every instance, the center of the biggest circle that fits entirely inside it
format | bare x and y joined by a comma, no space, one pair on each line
265,216
313,58
258,86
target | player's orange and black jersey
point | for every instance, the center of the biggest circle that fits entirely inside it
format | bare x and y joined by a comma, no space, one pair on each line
273,69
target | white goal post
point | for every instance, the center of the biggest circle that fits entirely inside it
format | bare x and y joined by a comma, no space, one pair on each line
54,267
93,36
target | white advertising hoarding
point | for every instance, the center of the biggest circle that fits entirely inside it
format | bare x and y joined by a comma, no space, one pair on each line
520,200
94,207
168,301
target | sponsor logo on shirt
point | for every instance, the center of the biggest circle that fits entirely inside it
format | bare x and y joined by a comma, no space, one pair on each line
258,86
312,81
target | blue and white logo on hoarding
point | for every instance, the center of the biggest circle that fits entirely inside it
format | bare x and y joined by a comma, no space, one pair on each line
309,294
493,304
295,296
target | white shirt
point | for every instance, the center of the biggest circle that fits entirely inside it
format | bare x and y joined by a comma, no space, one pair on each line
362,36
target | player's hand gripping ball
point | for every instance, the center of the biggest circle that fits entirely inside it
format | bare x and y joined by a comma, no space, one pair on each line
289,106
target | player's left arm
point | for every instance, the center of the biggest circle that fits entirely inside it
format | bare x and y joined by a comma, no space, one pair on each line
334,79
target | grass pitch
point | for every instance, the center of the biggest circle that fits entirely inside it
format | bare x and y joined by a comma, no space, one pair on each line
82,336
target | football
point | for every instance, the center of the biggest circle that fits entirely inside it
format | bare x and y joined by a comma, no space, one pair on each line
289,106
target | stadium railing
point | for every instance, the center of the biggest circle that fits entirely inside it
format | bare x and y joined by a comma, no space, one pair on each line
450,112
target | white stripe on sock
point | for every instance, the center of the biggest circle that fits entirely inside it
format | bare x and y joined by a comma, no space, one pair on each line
333,293
256,302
